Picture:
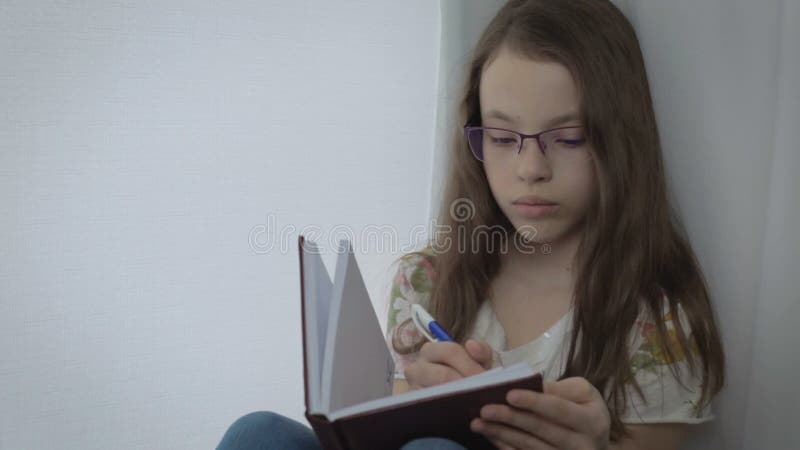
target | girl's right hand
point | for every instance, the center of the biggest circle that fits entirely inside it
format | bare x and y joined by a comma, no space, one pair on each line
440,362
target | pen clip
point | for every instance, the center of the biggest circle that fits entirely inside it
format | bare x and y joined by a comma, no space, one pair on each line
419,324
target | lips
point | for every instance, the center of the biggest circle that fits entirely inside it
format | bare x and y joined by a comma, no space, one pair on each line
535,211
532,200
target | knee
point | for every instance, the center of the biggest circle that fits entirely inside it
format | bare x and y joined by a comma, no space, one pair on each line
265,430
258,420
432,443
250,429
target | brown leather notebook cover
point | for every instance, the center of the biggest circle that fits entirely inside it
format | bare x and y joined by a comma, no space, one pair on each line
446,415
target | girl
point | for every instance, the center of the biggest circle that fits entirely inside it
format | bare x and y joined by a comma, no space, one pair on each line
561,249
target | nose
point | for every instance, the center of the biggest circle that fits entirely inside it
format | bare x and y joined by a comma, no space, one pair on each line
532,164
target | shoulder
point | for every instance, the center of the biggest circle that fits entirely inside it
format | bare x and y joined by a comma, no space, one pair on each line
421,258
648,348
415,273
413,282
661,367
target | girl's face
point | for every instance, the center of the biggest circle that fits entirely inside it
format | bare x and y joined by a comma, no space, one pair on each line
529,95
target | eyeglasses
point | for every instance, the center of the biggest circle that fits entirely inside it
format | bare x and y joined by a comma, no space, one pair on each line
559,145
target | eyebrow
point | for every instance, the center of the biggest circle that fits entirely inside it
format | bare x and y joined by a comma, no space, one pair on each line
555,121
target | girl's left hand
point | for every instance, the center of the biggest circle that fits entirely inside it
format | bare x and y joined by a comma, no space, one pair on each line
570,415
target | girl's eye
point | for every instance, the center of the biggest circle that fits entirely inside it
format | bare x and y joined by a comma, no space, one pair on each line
571,142
504,140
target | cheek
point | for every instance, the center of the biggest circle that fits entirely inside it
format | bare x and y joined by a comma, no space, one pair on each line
495,179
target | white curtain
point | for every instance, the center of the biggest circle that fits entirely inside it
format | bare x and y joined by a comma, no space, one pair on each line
724,77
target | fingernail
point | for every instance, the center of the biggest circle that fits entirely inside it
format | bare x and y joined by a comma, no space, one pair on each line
476,425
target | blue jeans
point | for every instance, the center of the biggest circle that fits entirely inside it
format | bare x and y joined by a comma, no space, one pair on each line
266,430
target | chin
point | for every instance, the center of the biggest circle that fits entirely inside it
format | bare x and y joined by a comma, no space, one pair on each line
546,232
538,233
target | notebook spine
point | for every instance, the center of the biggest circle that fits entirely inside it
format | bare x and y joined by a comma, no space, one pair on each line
328,433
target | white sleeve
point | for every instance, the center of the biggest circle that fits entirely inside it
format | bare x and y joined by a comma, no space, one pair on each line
411,284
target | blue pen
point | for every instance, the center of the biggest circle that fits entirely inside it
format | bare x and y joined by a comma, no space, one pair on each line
427,325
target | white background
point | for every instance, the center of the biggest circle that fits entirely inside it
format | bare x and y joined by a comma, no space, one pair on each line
144,145
140,145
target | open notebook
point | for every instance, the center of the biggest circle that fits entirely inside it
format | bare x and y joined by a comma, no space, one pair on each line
348,370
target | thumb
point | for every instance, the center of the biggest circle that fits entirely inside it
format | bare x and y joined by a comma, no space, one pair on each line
575,389
480,352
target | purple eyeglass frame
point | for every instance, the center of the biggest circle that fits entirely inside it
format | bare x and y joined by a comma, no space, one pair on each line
523,136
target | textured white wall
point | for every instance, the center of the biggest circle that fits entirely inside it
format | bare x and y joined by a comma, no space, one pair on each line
462,23
771,411
141,144
717,73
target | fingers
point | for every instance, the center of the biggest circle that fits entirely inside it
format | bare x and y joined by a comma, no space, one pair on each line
547,431
422,374
441,362
452,355
555,409
576,389
578,418
481,352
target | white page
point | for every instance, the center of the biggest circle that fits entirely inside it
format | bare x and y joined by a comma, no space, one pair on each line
357,365
490,377
318,290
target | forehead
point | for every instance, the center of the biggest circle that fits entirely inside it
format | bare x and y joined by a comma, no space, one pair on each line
530,91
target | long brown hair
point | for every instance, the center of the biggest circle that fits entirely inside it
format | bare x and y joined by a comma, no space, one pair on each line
634,250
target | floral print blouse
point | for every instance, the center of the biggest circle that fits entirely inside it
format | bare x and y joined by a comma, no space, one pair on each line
665,399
